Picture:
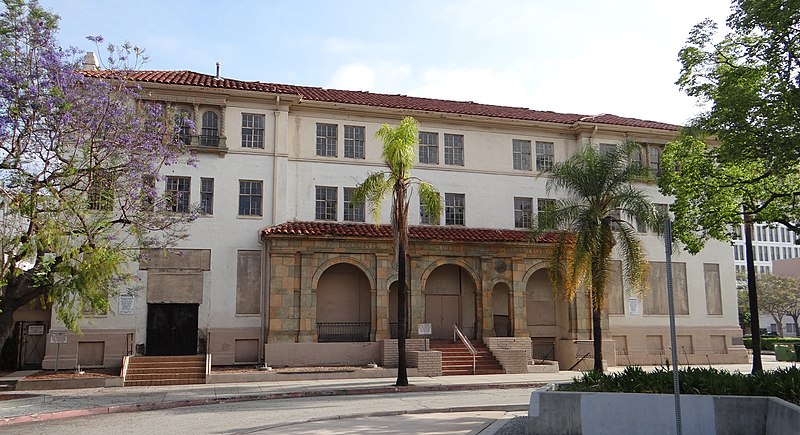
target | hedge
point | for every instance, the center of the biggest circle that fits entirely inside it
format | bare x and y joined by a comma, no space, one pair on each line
768,343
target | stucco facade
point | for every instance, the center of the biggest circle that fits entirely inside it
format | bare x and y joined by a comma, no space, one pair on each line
248,285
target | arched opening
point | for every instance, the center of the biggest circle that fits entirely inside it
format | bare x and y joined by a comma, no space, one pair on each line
501,308
209,134
450,298
541,315
343,304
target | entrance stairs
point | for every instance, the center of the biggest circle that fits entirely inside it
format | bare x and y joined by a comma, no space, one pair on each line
165,370
456,359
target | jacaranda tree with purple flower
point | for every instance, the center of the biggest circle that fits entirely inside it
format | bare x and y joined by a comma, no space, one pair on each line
79,159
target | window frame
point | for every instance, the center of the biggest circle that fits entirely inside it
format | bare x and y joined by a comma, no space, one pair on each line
250,198
252,134
519,162
327,144
325,207
523,218
185,133
209,135
206,196
429,149
455,205
352,212
355,146
541,204
178,194
546,157
454,149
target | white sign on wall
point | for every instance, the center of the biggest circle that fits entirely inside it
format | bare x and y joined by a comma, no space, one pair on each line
633,306
126,306
35,329
424,329
58,337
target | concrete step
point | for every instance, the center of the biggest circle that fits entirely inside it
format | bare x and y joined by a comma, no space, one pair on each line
158,382
166,370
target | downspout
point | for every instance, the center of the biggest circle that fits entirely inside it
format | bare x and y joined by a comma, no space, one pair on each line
275,163
265,298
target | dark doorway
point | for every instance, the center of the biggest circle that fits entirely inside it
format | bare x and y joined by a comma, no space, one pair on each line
171,329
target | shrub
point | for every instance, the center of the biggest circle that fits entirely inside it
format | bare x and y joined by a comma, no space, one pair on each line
768,343
783,383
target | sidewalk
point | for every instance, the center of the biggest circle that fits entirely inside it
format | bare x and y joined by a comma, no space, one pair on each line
56,404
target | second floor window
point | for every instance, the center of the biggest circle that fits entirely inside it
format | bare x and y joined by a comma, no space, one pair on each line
454,149
354,142
101,192
251,193
183,121
326,140
523,211
326,203
252,131
352,212
177,192
522,154
209,134
429,148
544,156
544,207
654,159
454,208
207,195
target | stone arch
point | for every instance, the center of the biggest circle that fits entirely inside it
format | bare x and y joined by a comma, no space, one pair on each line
343,302
502,309
338,260
450,294
445,261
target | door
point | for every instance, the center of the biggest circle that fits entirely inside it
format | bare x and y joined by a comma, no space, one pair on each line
171,329
441,311
33,344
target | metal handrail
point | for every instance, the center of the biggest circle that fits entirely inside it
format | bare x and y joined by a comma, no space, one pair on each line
457,332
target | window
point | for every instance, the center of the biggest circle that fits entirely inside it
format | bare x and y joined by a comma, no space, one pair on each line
606,148
523,211
209,135
250,195
425,218
252,131
177,192
326,139
543,205
326,203
354,142
429,148
654,159
522,154
183,121
207,195
248,282
640,226
101,192
454,149
454,208
352,212
544,156
637,157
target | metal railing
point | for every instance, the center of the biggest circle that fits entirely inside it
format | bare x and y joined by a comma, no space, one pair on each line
337,332
460,334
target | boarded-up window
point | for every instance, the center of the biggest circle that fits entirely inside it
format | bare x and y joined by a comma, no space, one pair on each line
656,301
684,343
248,282
91,353
621,344
718,345
616,298
713,289
245,350
655,344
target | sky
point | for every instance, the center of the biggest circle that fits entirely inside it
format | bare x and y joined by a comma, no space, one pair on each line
571,56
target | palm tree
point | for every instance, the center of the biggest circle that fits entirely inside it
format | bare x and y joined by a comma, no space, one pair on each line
596,215
398,154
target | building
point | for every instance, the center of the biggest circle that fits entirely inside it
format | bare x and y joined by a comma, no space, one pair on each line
283,269
770,243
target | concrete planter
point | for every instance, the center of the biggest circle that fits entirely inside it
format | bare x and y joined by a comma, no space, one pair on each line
567,412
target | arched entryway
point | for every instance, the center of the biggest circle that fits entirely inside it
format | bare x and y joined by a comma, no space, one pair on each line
542,318
501,309
450,298
343,304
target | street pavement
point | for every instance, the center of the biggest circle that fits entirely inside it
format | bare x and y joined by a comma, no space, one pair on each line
47,405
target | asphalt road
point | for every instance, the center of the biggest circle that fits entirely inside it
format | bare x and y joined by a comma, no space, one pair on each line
386,413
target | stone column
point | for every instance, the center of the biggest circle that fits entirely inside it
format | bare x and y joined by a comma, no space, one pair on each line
484,306
519,288
308,307
383,264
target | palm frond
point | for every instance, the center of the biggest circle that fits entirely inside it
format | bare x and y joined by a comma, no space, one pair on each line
431,199
398,149
372,191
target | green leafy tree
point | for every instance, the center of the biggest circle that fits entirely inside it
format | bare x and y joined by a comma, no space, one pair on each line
78,164
738,161
598,213
398,154
775,296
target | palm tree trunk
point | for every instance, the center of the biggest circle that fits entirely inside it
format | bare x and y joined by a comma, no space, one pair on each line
402,374
597,337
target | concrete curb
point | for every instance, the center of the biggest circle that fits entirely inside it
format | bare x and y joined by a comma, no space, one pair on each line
151,406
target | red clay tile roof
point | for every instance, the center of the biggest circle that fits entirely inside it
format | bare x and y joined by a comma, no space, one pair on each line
422,232
190,78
